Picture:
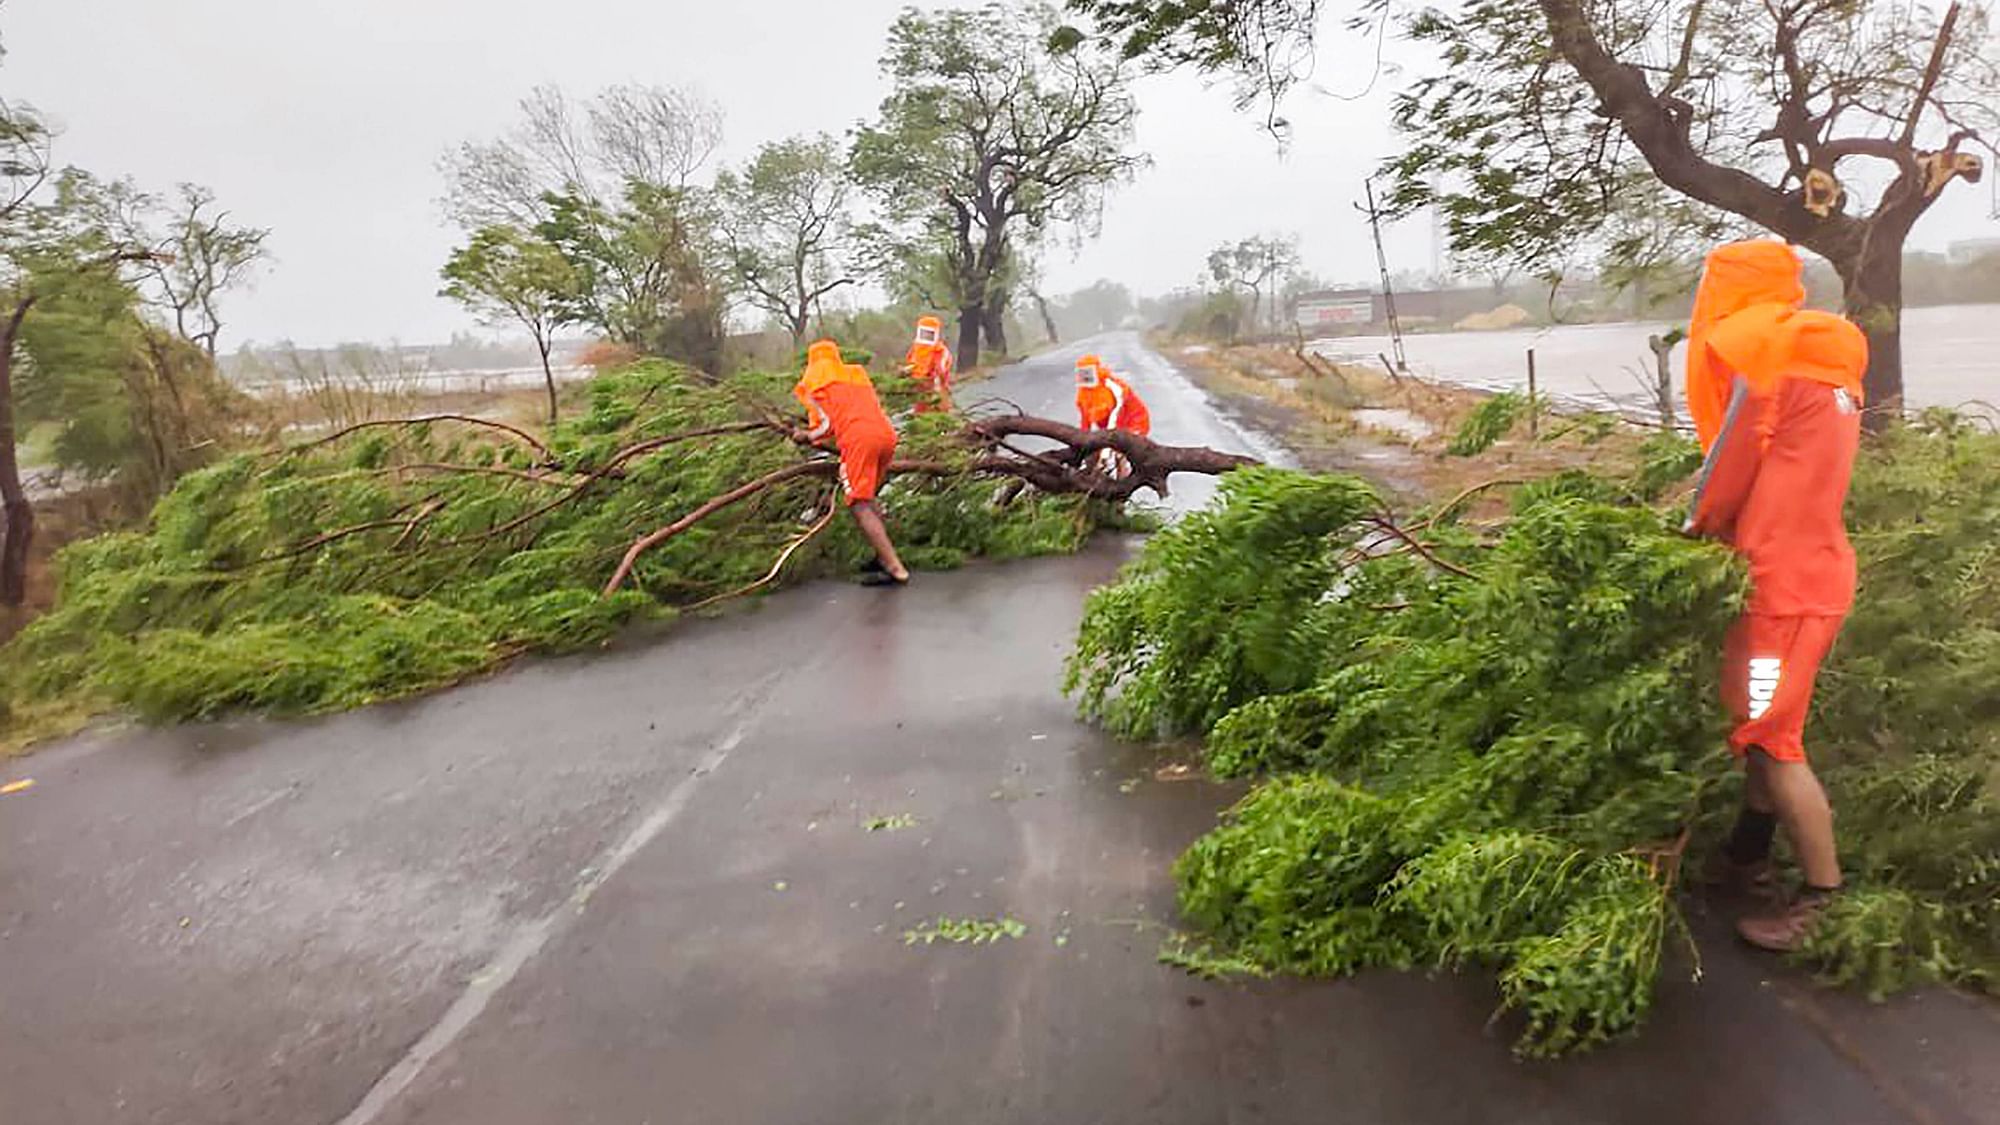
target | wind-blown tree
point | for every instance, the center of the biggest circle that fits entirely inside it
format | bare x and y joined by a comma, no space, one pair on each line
1254,264
195,252
786,220
628,134
609,185
24,167
507,277
648,271
999,128
1548,117
97,345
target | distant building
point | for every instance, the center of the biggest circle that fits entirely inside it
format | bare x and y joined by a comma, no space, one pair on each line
1330,309
1971,250
1337,310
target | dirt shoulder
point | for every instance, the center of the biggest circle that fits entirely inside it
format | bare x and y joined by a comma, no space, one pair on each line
1391,432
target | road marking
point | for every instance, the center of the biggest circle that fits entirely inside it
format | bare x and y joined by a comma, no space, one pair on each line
534,936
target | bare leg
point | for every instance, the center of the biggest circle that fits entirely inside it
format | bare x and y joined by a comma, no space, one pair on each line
1795,794
868,517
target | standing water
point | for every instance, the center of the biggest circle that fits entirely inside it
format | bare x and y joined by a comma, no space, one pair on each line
1951,357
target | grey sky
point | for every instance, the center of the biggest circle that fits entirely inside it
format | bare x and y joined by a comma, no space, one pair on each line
323,120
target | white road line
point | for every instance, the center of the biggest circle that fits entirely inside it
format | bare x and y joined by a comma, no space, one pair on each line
534,936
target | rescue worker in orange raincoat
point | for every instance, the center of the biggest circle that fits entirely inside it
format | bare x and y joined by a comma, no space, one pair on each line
1106,402
1775,392
841,409
930,362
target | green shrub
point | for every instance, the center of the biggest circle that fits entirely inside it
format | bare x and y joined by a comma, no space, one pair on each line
1507,766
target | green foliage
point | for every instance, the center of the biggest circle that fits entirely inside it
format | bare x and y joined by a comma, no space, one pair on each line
1487,423
419,578
892,823
508,276
1198,958
644,271
785,215
1506,769
1219,317
126,399
1215,611
1010,134
965,931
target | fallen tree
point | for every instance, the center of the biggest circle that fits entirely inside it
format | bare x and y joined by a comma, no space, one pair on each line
1497,742
400,554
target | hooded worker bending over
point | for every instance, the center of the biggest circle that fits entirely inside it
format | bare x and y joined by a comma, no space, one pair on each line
842,410
1106,402
930,362
1776,397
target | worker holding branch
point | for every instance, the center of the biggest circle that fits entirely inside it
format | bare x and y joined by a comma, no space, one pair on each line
1775,392
1106,402
843,412
930,362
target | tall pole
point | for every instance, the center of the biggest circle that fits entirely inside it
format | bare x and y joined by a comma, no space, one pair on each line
1388,289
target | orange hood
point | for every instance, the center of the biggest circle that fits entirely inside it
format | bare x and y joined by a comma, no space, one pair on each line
1752,285
823,365
928,343
1826,348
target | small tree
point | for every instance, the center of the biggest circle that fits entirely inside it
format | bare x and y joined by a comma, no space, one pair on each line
610,185
1549,117
1253,264
505,275
647,272
24,167
195,253
997,124
785,217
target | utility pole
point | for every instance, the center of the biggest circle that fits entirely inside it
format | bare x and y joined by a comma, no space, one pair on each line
1388,290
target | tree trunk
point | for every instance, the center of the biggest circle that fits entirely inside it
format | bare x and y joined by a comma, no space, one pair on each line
969,317
1872,282
17,516
1663,380
994,323
1048,320
548,377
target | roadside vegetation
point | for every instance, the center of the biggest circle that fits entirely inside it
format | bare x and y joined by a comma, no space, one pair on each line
1485,734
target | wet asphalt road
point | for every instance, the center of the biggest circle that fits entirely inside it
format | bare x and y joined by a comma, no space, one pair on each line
639,886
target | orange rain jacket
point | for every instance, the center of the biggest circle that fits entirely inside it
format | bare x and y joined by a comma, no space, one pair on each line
840,402
1774,484
1104,401
929,359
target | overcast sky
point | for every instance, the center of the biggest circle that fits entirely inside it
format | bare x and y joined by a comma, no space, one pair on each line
323,120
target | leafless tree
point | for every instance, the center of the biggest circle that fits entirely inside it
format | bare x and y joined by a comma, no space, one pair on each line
651,135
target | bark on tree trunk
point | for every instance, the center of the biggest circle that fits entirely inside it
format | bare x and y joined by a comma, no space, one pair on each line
994,320
17,516
548,378
1663,380
1873,299
1048,320
968,337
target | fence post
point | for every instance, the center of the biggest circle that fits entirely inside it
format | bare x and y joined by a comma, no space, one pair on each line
1534,402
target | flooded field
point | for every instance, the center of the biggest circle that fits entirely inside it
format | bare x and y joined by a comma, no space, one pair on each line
1951,357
